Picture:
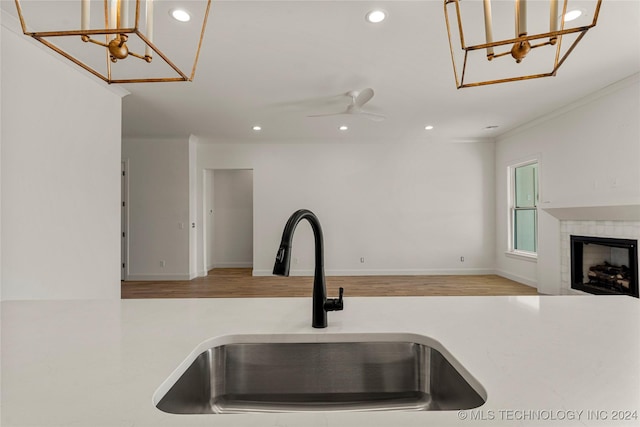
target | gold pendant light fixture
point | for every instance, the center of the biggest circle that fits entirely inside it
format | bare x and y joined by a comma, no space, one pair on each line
121,41
486,49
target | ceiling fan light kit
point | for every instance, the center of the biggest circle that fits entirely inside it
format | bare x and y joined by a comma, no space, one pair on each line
487,49
114,39
357,100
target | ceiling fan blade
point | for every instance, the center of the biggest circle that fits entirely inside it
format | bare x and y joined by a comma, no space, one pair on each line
364,97
311,103
327,115
372,116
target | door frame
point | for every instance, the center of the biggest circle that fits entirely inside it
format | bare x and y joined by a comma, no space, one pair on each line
124,220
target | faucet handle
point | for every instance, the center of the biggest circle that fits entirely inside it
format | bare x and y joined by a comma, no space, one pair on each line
335,304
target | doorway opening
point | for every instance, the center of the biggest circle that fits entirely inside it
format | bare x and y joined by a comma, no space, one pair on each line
229,218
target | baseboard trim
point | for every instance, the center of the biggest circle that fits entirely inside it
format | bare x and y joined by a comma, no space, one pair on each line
232,265
404,272
516,278
159,277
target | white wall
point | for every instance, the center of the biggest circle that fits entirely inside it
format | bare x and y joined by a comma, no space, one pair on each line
233,218
159,209
60,178
406,207
0,169
589,157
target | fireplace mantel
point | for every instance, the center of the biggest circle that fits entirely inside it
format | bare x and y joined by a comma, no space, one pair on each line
630,212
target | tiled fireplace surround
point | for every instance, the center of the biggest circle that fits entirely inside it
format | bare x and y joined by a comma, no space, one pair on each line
615,229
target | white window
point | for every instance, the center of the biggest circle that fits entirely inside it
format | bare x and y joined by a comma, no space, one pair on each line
523,209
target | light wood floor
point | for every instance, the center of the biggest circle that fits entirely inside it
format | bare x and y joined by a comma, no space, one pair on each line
238,283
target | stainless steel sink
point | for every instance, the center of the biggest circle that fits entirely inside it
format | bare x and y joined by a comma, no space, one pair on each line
320,376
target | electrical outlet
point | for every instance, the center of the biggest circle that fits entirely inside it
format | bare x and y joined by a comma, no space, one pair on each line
162,263
362,260
461,259
295,260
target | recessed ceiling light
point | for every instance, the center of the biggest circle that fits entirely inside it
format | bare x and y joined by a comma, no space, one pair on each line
257,128
180,15
343,128
572,15
428,127
376,16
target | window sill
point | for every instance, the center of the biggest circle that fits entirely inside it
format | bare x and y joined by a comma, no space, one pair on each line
524,256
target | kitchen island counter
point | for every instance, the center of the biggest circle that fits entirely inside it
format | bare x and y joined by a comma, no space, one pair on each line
547,360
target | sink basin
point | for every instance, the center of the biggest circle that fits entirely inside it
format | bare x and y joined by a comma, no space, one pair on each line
372,373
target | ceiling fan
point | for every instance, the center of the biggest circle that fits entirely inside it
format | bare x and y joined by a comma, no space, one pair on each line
358,99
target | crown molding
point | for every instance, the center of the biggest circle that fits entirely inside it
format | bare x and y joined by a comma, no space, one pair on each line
613,87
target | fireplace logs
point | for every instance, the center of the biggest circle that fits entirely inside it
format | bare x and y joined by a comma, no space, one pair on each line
610,275
604,265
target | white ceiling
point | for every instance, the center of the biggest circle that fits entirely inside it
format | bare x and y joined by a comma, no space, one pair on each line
273,63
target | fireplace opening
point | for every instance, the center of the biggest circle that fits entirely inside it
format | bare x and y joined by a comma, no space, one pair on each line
604,266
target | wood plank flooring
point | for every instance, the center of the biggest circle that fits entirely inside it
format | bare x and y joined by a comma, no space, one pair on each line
239,283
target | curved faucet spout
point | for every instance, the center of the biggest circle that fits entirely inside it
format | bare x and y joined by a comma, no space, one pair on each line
283,260
283,257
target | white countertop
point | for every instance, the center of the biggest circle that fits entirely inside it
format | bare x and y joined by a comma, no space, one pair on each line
565,359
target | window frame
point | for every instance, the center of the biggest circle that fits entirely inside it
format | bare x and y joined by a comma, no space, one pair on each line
512,209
